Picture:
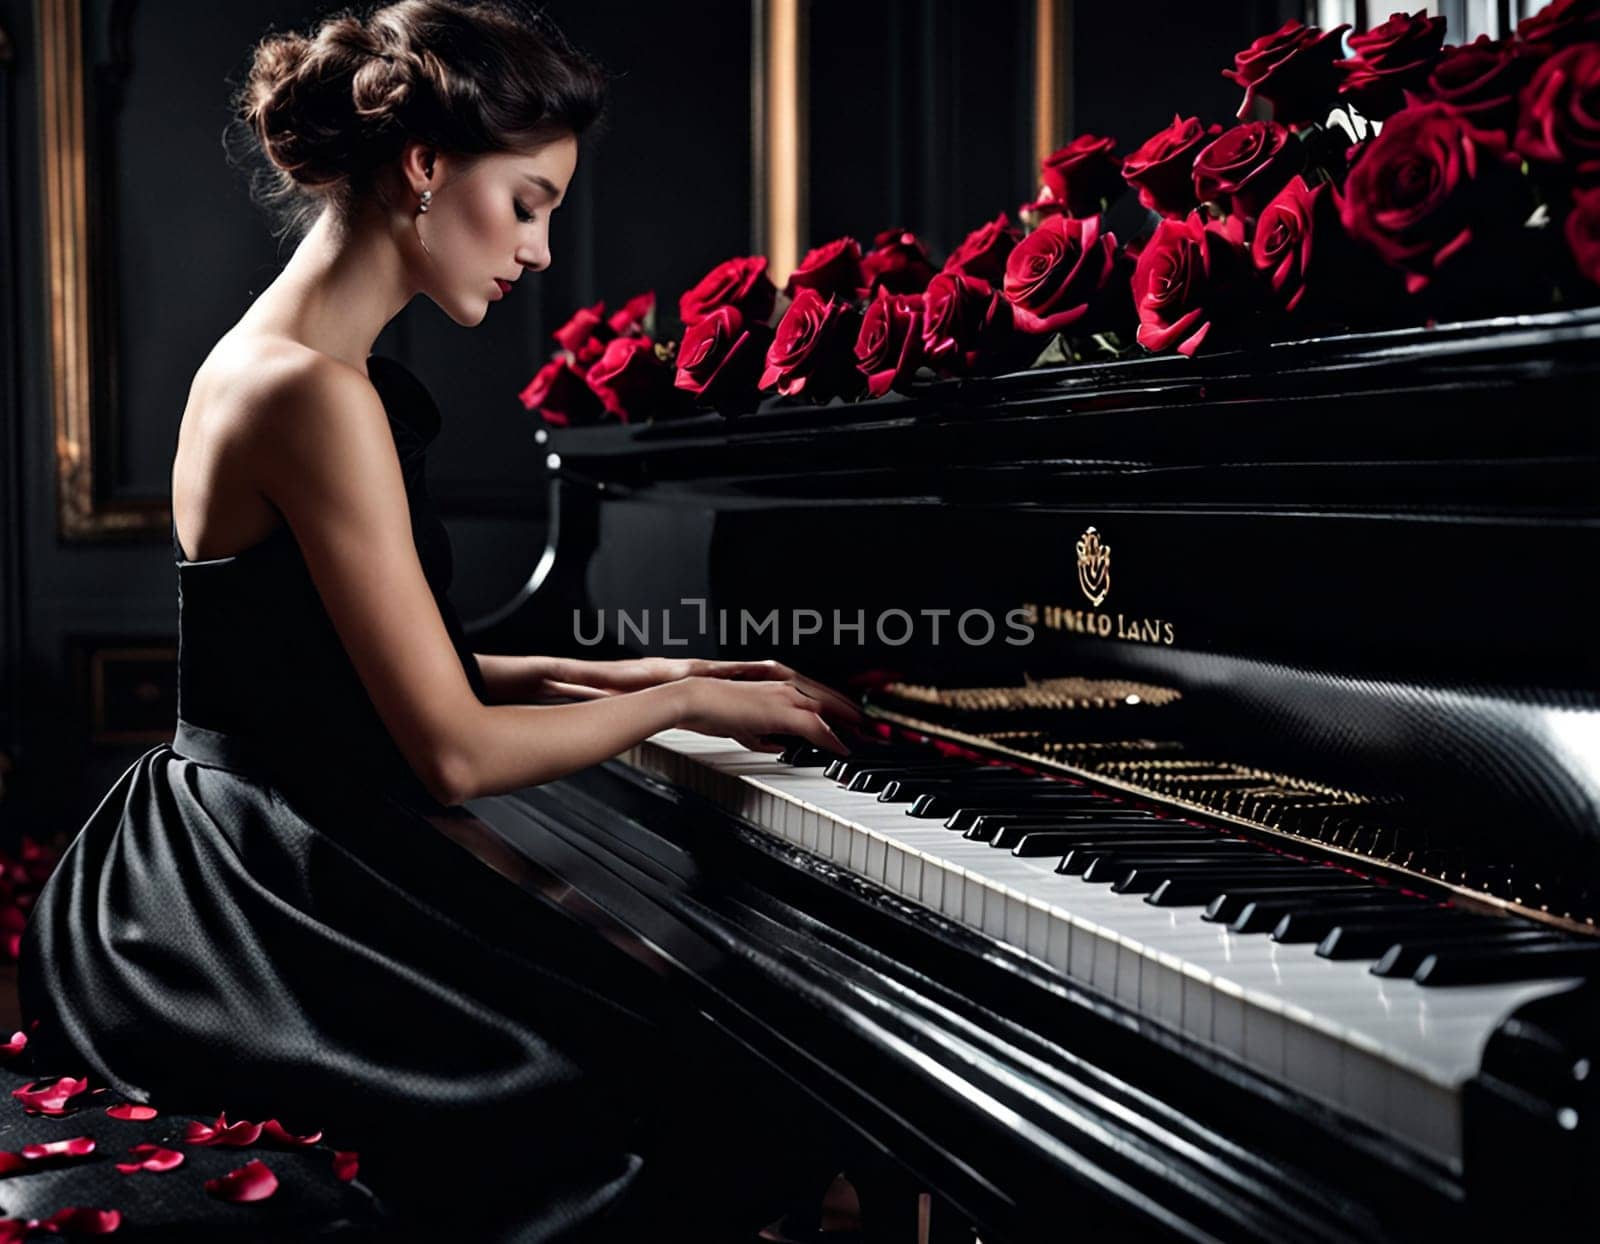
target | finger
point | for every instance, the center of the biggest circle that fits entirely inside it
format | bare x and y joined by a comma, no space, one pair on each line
818,732
764,743
765,670
831,701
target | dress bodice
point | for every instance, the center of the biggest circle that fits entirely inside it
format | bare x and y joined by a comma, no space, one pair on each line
260,661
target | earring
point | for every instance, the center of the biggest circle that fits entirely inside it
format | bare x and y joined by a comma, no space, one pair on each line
427,197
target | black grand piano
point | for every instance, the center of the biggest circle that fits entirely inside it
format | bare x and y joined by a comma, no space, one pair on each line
1227,859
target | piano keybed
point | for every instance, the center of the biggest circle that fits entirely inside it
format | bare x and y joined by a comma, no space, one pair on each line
1373,998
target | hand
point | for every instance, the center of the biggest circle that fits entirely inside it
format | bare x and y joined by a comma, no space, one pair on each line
747,711
592,679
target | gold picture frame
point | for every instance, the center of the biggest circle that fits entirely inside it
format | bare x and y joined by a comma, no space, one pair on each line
73,287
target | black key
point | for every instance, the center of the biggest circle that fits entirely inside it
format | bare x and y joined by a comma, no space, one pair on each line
1261,915
988,828
1226,906
1079,860
1062,796
1314,924
1197,885
842,768
1092,829
974,786
1110,815
1405,957
1545,961
872,778
1034,843
1358,939
803,755
1156,868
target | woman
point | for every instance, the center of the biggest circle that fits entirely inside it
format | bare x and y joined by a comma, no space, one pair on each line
264,916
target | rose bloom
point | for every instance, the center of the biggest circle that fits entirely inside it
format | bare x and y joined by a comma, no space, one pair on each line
889,347
1560,118
1582,232
1082,174
1293,68
1482,79
1162,169
1311,267
1429,186
560,394
1561,24
1060,273
1245,166
983,252
720,359
586,324
897,262
629,379
741,283
1389,60
966,323
833,269
629,319
813,350
1190,277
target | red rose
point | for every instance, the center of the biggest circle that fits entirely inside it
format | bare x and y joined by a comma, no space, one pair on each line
629,379
1389,60
589,353
1190,277
1308,261
560,394
1244,167
741,283
720,359
1060,273
834,269
1084,174
966,323
1033,213
983,252
889,347
1429,186
1561,24
1582,232
630,320
586,324
1481,80
1292,67
813,351
1560,117
898,262
1163,168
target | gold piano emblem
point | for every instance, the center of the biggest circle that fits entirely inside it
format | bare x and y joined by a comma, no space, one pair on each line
1094,567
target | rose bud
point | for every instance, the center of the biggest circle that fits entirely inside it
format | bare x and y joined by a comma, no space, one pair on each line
1162,169
889,347
587,324
1084,175
898,262
1189,280
1482,81
813,349
1245,166
630,378
1389,60
1560,115
720,359
1582,231
984,251
833,269
560,394
1293,68
1561,24
967,324
741,283
631,320
1430,186
1060,274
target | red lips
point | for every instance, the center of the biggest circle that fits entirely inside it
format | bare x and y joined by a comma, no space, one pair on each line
505,286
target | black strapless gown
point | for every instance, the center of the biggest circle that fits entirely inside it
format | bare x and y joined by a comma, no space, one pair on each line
262,917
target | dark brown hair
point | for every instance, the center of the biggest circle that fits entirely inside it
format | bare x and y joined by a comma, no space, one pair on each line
320,113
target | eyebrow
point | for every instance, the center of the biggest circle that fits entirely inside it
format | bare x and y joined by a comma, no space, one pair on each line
544,183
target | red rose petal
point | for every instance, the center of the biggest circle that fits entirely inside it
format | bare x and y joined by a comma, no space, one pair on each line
73,1147
53,1098
345,1164
151,1158
254,1181
78,1221
131,1112
237,1135
18,1042
12,1162
274,1131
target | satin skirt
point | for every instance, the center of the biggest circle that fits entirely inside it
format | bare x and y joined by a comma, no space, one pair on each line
230,933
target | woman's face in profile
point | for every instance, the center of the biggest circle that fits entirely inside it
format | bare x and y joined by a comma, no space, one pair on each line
490,219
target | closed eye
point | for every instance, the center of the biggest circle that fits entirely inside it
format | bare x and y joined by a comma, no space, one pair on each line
523,214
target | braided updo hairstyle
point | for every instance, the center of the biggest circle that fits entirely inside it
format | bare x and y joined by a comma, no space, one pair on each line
321,113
